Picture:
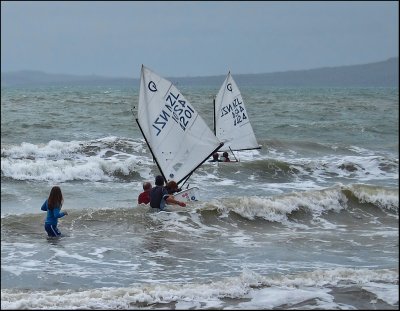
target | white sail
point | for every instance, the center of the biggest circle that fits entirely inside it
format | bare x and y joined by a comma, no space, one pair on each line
231,121
177,136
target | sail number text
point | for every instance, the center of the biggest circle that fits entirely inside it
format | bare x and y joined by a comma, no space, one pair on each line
236,110
174,108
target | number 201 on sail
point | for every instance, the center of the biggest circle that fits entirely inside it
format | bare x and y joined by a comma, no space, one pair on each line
181,112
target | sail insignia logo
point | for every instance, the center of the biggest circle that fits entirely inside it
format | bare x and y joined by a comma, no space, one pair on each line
152,86
229,87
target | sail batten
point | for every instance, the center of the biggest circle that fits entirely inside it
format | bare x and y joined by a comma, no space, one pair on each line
177,136
231,121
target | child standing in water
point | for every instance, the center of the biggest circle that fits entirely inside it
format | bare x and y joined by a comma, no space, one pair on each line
53,207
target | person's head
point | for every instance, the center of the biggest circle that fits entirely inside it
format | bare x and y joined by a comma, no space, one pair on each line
225,154
146,186
159,180
215,155
172,186
55,198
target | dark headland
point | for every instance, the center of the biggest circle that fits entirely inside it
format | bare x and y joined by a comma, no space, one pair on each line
378,74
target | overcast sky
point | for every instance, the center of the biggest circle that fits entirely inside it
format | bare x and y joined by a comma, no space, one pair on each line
194,38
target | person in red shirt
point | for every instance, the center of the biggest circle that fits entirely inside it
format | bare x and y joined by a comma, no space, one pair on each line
144,197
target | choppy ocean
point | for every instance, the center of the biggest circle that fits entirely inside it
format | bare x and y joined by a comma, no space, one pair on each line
310,221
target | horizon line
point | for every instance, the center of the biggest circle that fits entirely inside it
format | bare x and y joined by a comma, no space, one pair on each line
180,77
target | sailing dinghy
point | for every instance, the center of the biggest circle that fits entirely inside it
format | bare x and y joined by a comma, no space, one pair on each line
177,136
231,121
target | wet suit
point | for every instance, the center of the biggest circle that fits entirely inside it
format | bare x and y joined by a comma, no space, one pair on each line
158,195
50,225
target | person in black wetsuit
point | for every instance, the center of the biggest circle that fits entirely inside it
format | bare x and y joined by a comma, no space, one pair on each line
160,195
215,158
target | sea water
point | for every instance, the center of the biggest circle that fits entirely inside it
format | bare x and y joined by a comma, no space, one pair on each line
310,221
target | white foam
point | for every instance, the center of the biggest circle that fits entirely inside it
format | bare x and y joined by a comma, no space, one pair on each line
269,298
241,239
389,293
64,161
264,292
384,198
365,167
20,268
100,251
177,221
277,208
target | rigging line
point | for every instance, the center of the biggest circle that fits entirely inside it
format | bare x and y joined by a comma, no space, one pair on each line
233,154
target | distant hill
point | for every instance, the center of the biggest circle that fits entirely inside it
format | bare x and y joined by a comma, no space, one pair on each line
379,74
39,78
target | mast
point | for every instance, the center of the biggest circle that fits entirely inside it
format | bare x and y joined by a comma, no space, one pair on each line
215,126
148,145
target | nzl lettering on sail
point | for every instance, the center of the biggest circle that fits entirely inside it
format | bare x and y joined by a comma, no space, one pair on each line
237,109
176,109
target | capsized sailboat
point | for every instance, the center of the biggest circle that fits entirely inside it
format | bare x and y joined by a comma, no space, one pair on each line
177,136
231,121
